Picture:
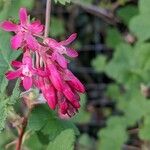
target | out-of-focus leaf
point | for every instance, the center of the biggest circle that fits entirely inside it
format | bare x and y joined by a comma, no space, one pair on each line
139,25
57,27
27,4
99,63
145,129
113,91
127,12
63,2
110,40
64,141
121,67
114,135
144,6
85,142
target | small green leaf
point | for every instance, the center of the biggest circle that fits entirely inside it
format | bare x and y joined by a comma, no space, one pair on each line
127,12
139,25
145,129
3,113
57,27
64,141
63,2
99,63
114,135
144,6
15,93
110,40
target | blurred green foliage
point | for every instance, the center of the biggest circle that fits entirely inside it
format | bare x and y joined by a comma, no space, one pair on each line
129,68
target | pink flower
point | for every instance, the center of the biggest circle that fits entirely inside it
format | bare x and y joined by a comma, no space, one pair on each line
24,31
60,49
48,71
24,71
48,91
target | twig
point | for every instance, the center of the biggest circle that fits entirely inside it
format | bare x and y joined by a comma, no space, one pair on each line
22,131
47,17
105,14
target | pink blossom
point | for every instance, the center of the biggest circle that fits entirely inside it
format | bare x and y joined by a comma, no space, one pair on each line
24,31
24,71
60,49
48,71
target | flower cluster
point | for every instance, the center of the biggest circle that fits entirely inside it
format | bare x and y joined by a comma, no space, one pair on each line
44,64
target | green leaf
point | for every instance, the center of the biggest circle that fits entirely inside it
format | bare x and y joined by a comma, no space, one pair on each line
121,67
15,93
99,63
6,56
144,6
57,27
55,125
39,117
110,40
64,141
4,83
86,142
145,129
114,135
63,2
44,120
34,143
113,91
3,113
139,25
27,4
127,12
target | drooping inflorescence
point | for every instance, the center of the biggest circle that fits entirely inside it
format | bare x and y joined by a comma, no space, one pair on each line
48,71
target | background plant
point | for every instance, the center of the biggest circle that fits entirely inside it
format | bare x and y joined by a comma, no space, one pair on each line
128,123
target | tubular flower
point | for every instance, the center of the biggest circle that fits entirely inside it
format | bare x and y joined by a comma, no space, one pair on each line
25,31
24,71
48,71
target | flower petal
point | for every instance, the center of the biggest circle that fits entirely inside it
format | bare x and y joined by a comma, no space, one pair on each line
8,26
74,82
36,27
50,95
27,82
55,77
16,41
10,75
16,64
23,16
61,61
71,52
70,96
69,40
31,42
27,59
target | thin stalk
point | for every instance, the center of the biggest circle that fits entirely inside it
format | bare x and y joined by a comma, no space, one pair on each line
47,18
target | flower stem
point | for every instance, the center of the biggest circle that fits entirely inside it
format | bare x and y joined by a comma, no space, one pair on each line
47,18
22,131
